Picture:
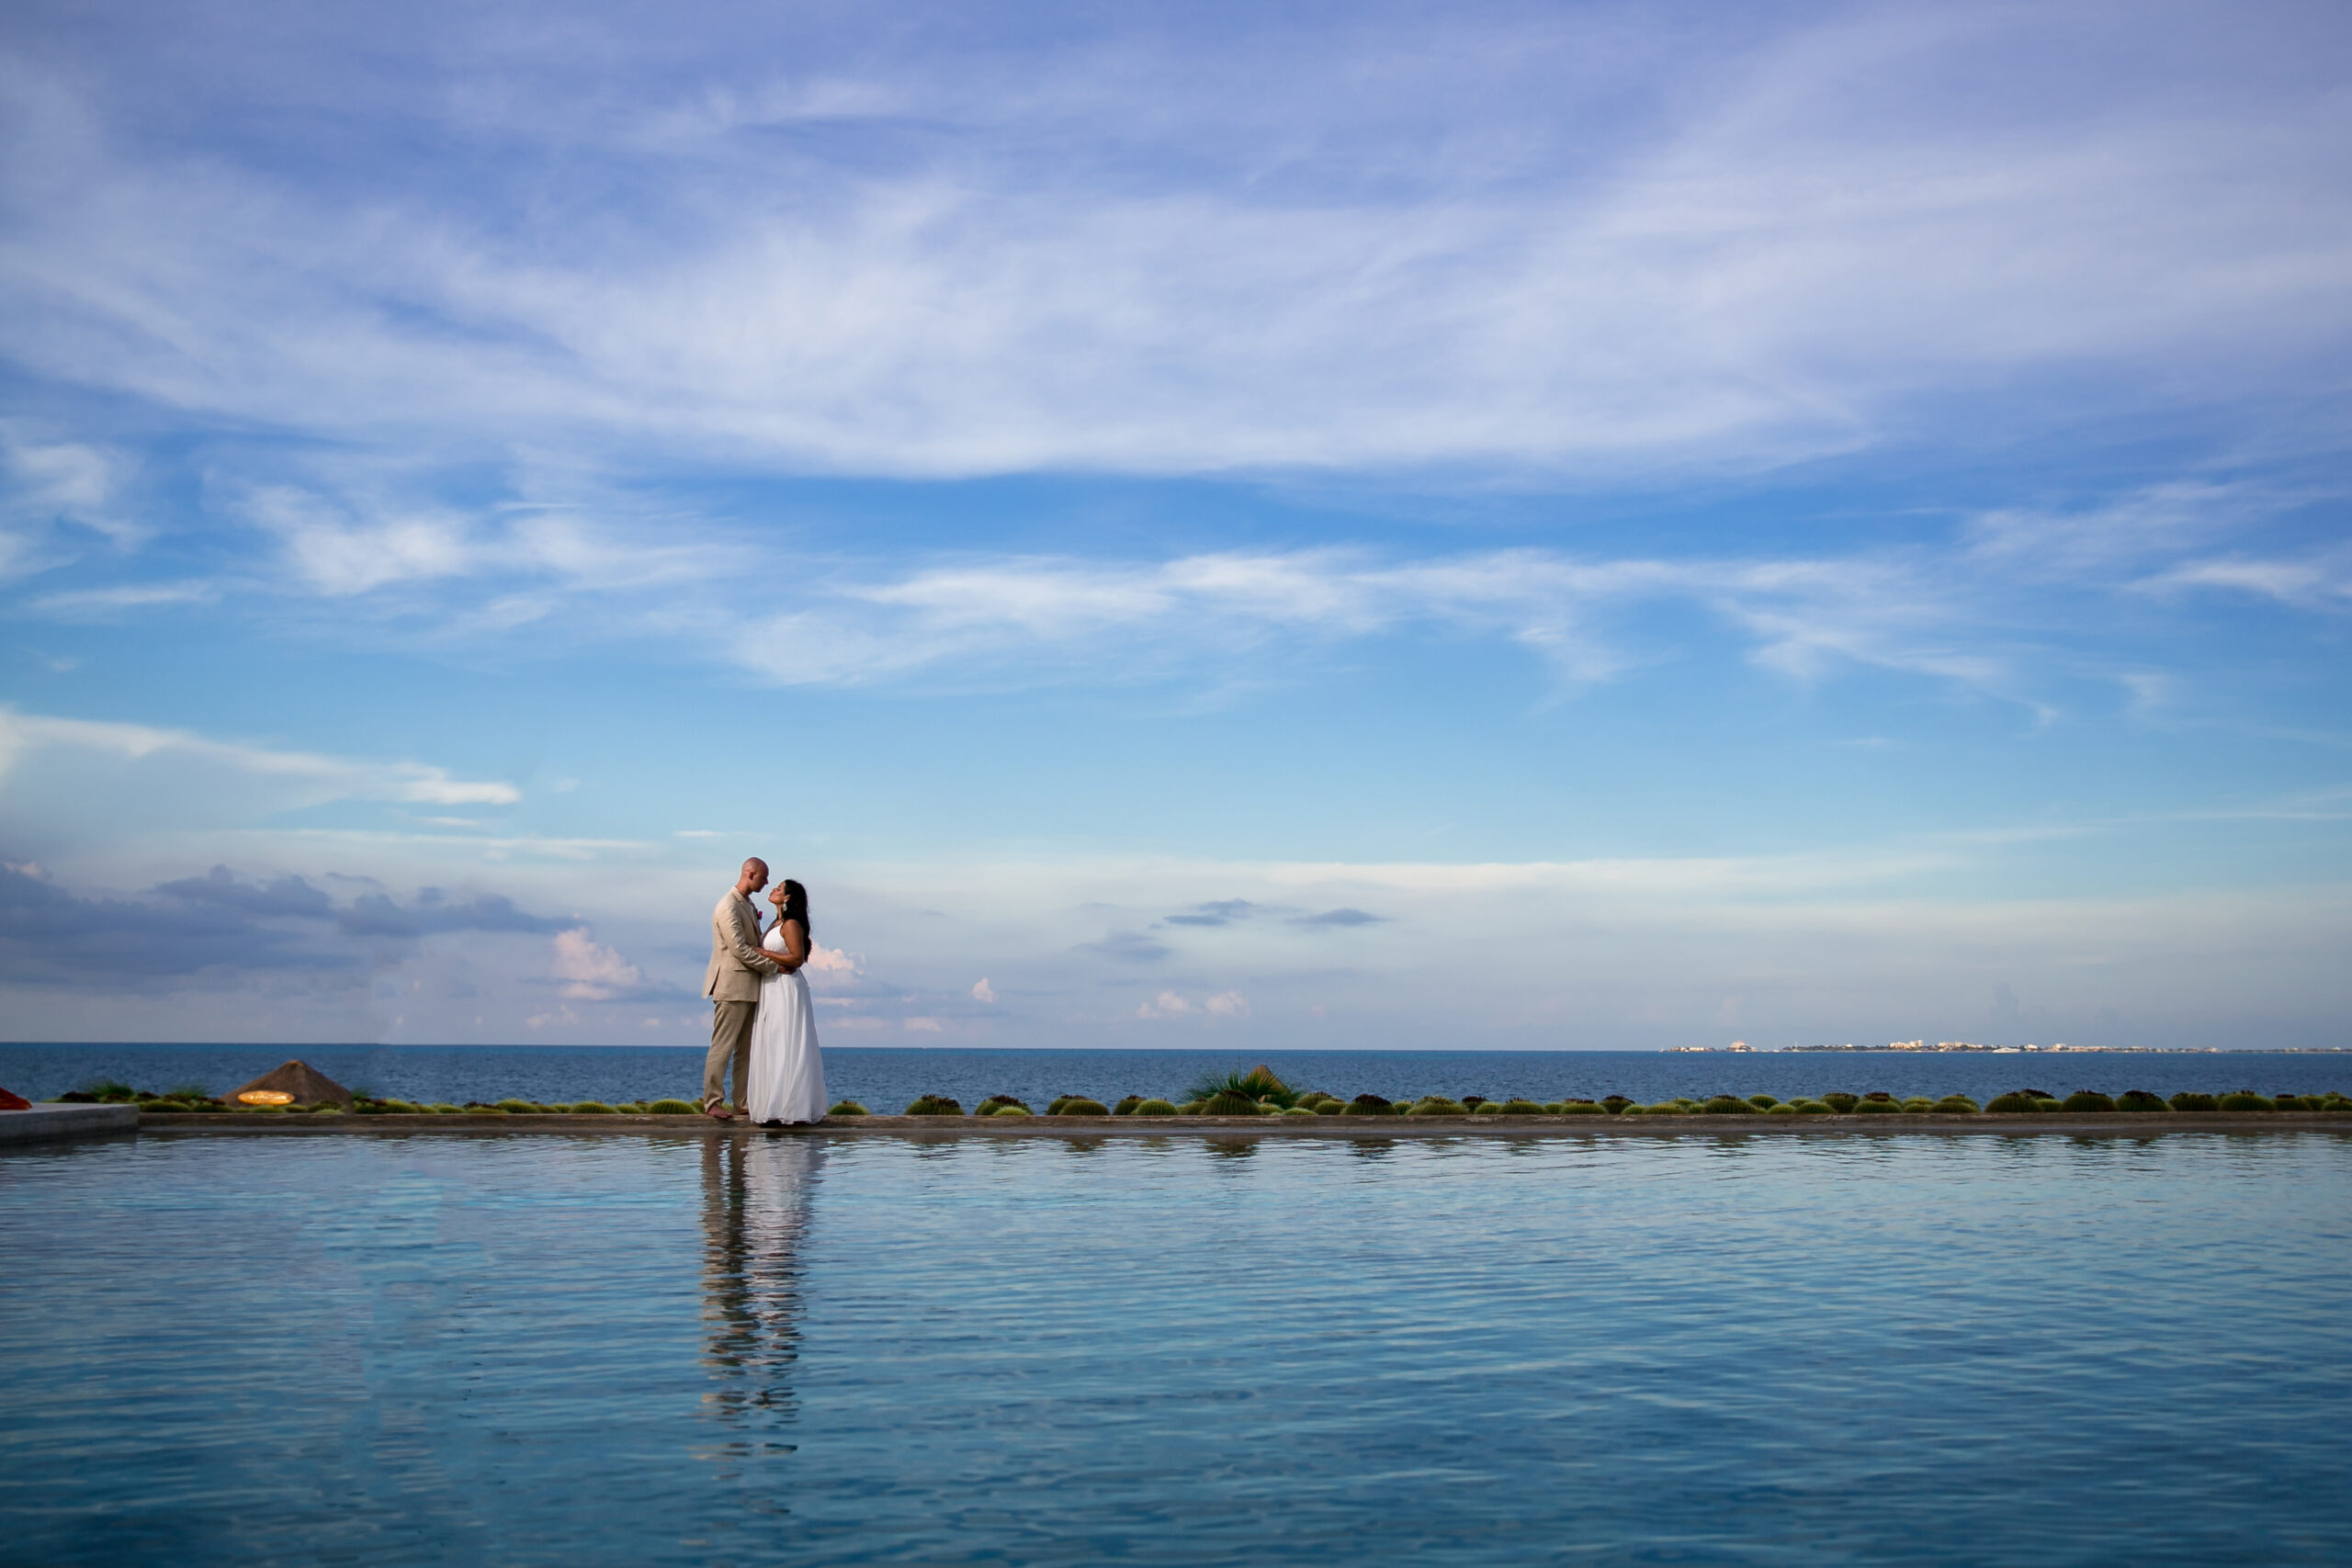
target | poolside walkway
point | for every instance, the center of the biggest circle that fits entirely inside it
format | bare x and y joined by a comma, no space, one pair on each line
43,1121
2116,1124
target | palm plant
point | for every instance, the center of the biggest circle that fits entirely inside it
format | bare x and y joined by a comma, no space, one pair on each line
1258,1084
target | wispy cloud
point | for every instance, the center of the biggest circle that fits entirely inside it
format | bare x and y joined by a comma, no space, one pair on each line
302,776
995,264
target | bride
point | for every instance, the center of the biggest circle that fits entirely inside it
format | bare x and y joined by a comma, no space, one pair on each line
787,1078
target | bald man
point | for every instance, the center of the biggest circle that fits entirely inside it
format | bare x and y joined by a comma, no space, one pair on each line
738,964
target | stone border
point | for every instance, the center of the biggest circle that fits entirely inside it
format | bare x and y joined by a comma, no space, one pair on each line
2122,1123
45,1121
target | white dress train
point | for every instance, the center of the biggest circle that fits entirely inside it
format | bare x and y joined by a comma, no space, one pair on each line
787,1074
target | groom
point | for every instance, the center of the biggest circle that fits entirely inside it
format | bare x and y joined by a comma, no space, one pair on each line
732,983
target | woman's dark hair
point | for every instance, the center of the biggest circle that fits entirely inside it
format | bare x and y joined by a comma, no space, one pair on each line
795,906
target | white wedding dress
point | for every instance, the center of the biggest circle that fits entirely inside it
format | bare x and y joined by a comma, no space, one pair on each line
787,1076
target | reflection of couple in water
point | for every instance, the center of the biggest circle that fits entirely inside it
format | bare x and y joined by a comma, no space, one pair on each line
761,1018
755,1218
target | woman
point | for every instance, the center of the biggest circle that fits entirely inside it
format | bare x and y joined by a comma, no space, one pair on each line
787,1076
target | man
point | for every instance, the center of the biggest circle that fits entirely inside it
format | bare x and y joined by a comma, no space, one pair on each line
738,964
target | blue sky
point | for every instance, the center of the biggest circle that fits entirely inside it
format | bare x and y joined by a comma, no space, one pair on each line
1499,526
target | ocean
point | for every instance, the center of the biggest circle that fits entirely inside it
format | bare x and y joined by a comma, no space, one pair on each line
886,1079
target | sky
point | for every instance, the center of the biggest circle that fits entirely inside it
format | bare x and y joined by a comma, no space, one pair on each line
1501,527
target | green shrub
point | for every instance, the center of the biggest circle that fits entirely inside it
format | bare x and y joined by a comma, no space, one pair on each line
2188,1102
1867,1107
1015,1109
1368,1105
2137,1099
2015,1102
848,1108
1727,1105
1956,1105
1127,1106
1154,1108
1762,1102
1077,1105
2246,1100
671,1107
1438,1105
1253,1086
1841,1103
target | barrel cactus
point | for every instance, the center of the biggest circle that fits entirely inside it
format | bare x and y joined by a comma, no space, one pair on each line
1078,1105
2088,1099
1153,1108
2139,1099
935,1105
1369,1105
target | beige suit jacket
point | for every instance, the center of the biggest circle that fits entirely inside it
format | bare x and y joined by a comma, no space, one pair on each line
738,964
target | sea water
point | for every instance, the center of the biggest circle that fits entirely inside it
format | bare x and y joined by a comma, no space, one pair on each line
884,1079
1722,1349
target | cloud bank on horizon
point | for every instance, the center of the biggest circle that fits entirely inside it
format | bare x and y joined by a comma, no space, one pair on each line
1536,525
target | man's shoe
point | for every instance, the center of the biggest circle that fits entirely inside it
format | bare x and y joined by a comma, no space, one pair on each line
716,1109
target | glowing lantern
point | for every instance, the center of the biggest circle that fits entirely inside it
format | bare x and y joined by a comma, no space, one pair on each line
267,1097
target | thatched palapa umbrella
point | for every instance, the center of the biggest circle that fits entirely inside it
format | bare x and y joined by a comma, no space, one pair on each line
304,1083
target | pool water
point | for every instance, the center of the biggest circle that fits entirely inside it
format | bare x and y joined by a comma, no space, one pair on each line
474,1348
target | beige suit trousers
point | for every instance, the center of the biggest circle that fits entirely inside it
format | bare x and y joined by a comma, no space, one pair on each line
730,1035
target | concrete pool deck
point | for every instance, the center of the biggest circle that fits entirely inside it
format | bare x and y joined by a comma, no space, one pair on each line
45,1121
2109,1123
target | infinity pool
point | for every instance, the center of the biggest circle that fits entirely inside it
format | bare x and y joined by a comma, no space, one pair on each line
523,1348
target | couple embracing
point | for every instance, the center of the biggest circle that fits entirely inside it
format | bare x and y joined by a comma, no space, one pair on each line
760,1015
